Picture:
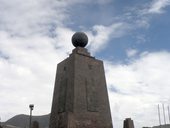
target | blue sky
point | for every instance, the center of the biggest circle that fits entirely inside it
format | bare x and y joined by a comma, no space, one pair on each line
131,37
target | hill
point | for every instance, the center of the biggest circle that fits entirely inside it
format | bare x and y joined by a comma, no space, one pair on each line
22,121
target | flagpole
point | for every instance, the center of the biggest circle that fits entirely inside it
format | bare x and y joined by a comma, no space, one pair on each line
159,116
168,114
164,113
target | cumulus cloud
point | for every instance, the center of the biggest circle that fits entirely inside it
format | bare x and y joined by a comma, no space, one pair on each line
138,87
34,37
22,18
22,74
29,17
28,67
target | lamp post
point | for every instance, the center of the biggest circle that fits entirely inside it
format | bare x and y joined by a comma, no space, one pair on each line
31,106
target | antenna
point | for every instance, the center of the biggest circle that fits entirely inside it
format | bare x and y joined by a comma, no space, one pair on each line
168,114
164,113
159,115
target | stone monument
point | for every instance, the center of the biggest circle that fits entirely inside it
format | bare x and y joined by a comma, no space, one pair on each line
80,98
128,123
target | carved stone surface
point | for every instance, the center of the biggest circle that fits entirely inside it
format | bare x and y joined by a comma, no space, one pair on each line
80,98
91,94
62,95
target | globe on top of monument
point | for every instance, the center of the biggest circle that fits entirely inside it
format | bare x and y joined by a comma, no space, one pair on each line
79,39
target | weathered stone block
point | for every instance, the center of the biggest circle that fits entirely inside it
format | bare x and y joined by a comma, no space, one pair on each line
128,123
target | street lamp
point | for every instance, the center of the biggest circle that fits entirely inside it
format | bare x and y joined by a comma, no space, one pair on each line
31,106
0,122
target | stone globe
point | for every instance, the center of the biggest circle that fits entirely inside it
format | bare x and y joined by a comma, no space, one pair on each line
79,39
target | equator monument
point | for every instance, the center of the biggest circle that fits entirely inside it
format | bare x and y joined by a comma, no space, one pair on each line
80,98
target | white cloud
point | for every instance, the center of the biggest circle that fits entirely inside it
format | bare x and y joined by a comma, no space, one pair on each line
100,35
131,52
138,88
136,17
28,59
157,6
27,17
63,39
28,67
152,7
28,55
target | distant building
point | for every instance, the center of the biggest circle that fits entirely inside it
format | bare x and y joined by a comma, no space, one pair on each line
162,126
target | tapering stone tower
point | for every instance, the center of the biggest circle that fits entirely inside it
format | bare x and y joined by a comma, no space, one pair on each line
80,98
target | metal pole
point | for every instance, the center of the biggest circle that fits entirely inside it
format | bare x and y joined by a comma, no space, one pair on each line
168,114
159,115
30,118
31,106
164,113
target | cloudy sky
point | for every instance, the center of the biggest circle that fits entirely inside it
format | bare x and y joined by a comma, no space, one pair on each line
130,36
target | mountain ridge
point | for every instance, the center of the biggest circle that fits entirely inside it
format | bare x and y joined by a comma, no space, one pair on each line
22,121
